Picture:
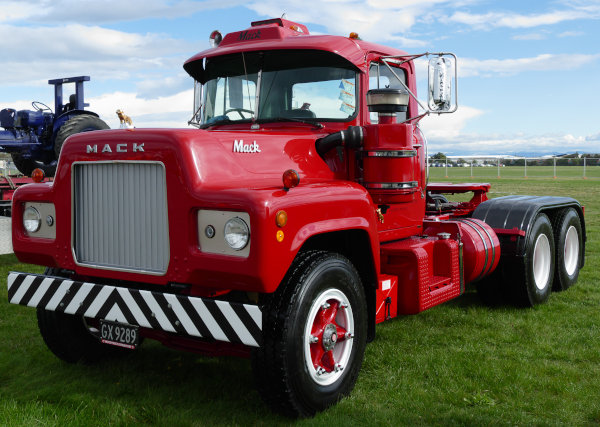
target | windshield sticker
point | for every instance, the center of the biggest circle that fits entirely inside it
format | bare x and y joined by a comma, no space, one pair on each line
347,97
347,108
347,85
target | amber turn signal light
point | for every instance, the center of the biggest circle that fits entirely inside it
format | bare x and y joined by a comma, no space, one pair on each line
281,218
291,179
37,175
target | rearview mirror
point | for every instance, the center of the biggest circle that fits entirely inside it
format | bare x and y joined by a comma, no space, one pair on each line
442,84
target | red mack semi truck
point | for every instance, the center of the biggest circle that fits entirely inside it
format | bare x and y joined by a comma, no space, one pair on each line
294,217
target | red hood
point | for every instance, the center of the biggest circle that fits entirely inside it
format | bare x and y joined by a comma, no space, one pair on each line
216,159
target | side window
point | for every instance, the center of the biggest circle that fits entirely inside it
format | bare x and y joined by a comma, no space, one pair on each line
381,77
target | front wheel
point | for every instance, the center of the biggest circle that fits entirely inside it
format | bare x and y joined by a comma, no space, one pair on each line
314,336
69,337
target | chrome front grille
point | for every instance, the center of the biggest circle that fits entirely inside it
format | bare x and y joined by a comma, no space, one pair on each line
120,216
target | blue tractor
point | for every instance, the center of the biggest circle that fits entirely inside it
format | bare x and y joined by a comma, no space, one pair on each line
34,137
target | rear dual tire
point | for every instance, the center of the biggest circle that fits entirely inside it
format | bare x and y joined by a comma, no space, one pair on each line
568,238
552,259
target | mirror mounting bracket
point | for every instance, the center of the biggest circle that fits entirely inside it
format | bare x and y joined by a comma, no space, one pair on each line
399,60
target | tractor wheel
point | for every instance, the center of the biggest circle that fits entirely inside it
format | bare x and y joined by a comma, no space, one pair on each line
26,166
69,337
81,123
531,276
569,248
314,336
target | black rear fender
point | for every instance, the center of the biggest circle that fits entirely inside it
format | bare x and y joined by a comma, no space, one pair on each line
512,216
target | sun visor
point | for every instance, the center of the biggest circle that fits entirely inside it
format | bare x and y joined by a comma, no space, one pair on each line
241,63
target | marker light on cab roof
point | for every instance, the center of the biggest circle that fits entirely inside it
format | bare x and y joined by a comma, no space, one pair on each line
215,38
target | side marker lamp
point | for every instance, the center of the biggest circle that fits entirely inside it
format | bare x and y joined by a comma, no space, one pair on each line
279,236
37,175
291,179
281,218
215,38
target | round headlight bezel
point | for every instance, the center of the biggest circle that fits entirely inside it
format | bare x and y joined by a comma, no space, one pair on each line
32,220
236,233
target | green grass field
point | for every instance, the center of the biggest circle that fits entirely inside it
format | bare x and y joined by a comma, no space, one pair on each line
461,363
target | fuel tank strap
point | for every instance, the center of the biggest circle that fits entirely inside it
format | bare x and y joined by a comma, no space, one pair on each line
389,153
391,185
184,315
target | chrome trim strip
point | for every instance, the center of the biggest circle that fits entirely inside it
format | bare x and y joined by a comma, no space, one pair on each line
390,153
392,185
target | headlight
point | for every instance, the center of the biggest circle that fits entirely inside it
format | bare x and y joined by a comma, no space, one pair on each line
32,219
237,233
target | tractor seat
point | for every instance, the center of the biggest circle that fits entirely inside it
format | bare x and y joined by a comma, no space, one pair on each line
71,104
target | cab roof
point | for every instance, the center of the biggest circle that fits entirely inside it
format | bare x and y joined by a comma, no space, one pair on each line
281,34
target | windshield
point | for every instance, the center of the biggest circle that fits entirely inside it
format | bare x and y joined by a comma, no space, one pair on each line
287,85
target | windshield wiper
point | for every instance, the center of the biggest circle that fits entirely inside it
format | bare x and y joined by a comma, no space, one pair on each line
218,120
291,119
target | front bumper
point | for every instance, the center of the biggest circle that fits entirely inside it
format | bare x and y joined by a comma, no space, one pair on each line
183,315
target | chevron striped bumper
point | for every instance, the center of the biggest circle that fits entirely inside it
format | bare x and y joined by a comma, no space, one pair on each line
183,315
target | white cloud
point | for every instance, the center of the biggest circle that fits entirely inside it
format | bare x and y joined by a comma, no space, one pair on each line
530,36
77,49
469,67
571,34
515,20
372,19
104,11
445,126
476,144
166,111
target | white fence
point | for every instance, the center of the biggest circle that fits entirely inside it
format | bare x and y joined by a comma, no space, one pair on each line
497,166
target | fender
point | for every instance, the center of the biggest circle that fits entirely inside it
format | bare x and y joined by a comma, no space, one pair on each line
511,217
328,209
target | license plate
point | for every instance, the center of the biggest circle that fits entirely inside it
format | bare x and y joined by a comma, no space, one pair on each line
118,334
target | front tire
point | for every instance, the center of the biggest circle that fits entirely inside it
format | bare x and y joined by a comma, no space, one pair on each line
69,337
568,237
314,336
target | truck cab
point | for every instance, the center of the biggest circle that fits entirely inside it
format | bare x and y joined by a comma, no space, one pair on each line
293,218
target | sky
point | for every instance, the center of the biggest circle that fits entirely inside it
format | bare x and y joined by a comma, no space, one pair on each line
528,71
